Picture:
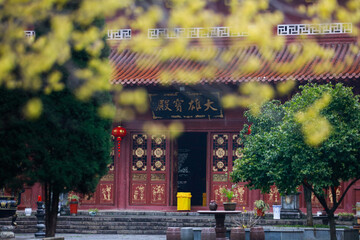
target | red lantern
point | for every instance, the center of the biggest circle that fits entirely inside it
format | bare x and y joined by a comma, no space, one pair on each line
119,133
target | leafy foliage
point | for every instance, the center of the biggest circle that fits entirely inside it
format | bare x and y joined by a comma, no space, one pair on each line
66,148
228,193
277,151
14,133
72,135
260,204
68,50
259,147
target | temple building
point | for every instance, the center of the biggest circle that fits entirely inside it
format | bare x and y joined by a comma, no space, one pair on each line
150,169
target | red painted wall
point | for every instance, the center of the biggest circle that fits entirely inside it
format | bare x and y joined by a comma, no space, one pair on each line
113,191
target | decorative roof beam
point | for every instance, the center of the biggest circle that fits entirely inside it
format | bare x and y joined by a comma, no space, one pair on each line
29,34
314,29
221,32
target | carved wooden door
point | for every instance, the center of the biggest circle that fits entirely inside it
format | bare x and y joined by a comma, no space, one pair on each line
224,151
149,173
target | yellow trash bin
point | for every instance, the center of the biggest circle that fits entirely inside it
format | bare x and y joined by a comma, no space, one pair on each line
183,201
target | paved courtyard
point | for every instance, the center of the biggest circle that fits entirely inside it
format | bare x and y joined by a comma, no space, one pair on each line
74,236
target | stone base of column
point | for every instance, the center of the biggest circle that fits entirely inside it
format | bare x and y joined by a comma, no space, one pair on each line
7,232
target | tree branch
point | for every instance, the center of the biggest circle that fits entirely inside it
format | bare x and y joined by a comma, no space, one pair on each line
336,204
319,197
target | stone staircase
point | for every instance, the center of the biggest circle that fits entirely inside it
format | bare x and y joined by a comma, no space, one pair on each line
132,222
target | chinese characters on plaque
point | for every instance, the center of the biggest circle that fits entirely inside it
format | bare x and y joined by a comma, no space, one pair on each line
185,105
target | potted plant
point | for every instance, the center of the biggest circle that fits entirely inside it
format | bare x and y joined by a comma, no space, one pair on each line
245,220
93,211
73,203
261,207
345,216
229,194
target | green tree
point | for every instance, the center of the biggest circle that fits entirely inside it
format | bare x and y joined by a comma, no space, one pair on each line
14,133
283,154
66,148
45,128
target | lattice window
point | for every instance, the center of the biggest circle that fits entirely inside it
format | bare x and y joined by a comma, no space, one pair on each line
139,152
158,153
220,153
237,147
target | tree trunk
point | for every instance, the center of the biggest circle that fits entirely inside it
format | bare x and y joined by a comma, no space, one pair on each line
332,226
309,216
51,212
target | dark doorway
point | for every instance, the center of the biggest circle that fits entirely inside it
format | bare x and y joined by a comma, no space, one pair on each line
192,166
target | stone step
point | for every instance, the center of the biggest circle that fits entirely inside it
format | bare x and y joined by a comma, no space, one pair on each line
131,222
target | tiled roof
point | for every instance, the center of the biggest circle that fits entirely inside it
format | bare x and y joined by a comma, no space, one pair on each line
132,68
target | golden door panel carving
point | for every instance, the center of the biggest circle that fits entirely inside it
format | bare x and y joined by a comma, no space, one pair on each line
108,177
158,193
220,178
107,193
241,194
218,196
158,177
88,199
273,197
139,176
138,193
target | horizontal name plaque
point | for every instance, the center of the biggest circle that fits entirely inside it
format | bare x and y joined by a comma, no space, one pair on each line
185,105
